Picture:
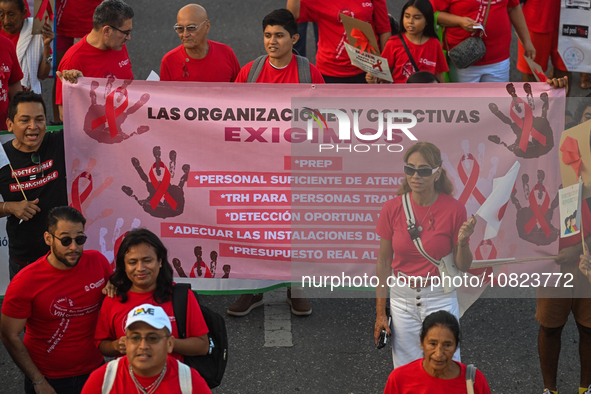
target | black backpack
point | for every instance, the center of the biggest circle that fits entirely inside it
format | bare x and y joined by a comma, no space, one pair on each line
212,365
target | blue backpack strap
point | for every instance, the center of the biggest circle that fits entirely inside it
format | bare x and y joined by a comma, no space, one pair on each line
255,70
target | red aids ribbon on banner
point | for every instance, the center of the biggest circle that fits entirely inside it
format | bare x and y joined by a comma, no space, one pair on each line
570,154
45,6
470,183
538,211
161,187
378,64
361,41
77,198
493,251
112,113
526,125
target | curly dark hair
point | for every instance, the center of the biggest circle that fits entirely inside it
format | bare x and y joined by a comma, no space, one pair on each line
122,283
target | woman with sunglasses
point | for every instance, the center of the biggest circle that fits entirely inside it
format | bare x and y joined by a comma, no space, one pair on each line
441,223
144,275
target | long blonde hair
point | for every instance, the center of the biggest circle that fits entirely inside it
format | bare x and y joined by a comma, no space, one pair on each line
432,155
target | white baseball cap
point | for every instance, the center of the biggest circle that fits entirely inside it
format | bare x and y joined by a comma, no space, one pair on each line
149,314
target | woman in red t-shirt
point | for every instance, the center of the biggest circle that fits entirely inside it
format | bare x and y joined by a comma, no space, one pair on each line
461,19
440,222
144,275
332,59
436,373
419,35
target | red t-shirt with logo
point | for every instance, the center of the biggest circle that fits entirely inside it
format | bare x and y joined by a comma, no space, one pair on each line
219,65
542,16
498,27
441,224
10,72
113,316
332,58
124,384
61,308
93,62
288,74
429,57
74,17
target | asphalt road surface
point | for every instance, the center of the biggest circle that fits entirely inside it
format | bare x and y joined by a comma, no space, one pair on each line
332,350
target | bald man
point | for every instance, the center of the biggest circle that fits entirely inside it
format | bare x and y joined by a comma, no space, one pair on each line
198,59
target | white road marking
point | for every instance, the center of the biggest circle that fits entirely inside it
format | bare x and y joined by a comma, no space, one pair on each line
277,319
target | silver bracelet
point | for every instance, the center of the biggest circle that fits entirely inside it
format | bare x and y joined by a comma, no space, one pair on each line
4,206
39,382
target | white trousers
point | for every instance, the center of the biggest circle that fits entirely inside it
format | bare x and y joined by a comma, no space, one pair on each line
496,72
409,307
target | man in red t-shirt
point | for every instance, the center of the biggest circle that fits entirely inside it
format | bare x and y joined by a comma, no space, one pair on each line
73,21
10,77
280,66
198,59
57,299
147,365
102,53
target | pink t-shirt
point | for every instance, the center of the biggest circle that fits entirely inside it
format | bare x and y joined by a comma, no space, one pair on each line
113,316
428,57
441,226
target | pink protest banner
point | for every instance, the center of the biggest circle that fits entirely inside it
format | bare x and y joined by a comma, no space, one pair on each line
228,176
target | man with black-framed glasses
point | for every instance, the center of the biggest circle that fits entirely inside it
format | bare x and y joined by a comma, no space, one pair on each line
57,298
34,182
102,52
197,58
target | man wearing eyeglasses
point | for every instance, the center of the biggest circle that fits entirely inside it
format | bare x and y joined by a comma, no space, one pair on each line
57,299
102,52
34,182
147,365
198,59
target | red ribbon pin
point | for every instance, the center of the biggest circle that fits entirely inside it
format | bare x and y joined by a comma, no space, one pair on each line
570,154
378,64
161,187
539,211
470,183
77,198
112,113
45,6
526,125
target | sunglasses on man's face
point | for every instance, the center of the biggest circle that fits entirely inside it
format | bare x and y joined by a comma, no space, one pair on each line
423,172
67,241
